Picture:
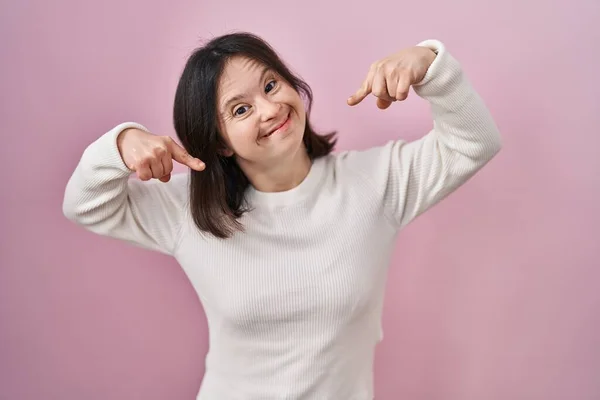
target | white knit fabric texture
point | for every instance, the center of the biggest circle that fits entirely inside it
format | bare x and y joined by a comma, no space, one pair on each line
294,303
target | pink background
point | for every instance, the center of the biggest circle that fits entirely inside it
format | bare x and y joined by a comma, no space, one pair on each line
493,295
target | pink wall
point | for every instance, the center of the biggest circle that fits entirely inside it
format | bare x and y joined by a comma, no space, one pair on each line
493,294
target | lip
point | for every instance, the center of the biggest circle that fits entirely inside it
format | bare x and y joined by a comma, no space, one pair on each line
281,128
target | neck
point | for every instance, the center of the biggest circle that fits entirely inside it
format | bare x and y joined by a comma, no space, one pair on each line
285,175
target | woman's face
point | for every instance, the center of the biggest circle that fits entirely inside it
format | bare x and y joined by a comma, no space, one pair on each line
261,116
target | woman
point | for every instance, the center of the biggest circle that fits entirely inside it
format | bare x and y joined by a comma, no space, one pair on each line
286,243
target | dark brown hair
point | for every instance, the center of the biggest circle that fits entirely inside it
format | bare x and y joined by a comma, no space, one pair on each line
217,194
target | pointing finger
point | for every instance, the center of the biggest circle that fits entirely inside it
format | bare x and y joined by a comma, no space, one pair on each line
364,90
183,157
360,94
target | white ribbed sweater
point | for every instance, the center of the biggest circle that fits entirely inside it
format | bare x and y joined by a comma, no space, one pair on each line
294,303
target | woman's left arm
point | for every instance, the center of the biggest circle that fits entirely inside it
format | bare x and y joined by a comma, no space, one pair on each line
414,176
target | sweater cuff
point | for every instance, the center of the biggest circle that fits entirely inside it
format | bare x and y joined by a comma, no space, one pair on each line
106,151
444,79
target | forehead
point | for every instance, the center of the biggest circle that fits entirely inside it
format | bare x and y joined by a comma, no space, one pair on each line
239,74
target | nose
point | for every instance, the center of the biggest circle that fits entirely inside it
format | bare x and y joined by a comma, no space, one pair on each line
268,109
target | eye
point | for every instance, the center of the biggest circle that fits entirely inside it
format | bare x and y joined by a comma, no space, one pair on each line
240,110
270,86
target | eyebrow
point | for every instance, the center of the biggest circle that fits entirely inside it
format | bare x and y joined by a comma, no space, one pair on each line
240,96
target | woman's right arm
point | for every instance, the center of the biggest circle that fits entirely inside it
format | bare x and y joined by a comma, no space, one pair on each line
101,197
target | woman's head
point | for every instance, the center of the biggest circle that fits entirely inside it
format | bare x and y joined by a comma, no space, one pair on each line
238,105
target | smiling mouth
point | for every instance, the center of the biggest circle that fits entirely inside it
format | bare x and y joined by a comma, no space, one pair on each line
284,124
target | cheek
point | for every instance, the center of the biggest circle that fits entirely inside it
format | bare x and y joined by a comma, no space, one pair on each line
242,135
301,112
300,108
298,103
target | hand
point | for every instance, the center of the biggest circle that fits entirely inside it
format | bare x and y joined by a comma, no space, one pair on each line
390,79
151,156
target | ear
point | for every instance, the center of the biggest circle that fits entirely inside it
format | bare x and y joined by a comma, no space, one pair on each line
226,152
223,148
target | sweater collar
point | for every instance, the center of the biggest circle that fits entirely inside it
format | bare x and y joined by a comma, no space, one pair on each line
310,183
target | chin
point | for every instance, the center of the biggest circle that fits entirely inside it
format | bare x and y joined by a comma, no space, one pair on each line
291,145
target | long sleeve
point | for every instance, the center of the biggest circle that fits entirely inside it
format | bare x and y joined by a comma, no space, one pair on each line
101,197
411,177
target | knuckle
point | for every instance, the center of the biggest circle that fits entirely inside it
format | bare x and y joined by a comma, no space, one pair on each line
139,163
379,92
147,159
392,70
403,72
160,150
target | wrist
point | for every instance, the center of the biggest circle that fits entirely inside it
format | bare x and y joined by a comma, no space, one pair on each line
121,137
125,137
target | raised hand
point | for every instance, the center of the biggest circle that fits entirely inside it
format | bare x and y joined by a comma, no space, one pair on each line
151,156
390,78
